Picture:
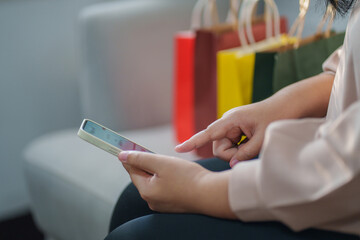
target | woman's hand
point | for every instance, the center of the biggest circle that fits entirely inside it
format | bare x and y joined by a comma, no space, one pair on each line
225,133
307,98
174,185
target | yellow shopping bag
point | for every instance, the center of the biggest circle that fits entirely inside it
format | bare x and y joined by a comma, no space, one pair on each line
231,91
235,68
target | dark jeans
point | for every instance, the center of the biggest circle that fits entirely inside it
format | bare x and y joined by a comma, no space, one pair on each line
132,219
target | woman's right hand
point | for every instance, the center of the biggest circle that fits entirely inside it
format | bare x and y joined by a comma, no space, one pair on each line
250,120
306,98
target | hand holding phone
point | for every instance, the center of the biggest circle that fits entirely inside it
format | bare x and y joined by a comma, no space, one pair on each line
107,139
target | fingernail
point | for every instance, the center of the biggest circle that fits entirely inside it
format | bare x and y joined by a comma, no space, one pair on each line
180,145
123,156
177,146
233,162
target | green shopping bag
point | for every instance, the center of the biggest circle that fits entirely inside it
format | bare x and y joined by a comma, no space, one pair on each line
305,61
264,69
263,75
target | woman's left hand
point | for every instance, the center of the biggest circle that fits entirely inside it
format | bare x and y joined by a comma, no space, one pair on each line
170,184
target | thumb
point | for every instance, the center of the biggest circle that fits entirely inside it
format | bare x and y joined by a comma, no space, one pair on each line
147,162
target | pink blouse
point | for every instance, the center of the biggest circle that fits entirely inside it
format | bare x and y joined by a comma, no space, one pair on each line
308,174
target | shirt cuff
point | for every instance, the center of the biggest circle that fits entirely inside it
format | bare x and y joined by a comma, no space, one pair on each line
244,197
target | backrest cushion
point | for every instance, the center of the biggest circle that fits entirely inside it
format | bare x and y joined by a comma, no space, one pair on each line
127,46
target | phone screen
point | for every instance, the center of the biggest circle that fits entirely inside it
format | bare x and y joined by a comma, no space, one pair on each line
111,137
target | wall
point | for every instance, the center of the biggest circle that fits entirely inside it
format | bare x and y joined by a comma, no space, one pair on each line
39,68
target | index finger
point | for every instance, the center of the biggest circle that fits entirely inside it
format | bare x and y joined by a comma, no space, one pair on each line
214,131
196,141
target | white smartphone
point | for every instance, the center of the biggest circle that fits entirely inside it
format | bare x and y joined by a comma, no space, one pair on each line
107,139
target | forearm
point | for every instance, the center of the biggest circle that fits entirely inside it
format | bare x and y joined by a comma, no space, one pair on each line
301,174
307,98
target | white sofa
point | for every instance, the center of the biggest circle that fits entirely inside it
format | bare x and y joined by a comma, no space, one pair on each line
126,85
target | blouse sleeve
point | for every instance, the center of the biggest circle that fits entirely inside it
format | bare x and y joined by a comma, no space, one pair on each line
308,174
331,63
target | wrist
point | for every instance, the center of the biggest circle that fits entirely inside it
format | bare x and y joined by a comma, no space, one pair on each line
212,196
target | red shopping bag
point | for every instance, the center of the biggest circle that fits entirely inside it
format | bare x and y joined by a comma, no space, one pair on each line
184,85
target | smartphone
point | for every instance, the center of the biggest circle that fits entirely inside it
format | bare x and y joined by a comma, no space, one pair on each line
107,139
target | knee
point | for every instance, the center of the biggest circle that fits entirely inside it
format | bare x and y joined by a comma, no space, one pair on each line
120,211
129,206
135,229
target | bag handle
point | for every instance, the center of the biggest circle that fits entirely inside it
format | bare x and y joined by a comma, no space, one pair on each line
232,16
271,12
329,18
297,28
196,14
245,20
211,16
204,14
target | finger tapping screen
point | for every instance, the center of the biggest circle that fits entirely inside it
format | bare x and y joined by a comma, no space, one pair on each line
111,137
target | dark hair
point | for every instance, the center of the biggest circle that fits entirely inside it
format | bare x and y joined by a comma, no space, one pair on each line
341,7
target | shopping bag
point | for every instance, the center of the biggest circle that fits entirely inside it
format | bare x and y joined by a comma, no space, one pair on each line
204,14
306,57
234,81
184,85
237,75
263,75
264,70
236,66
207,44
305,61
